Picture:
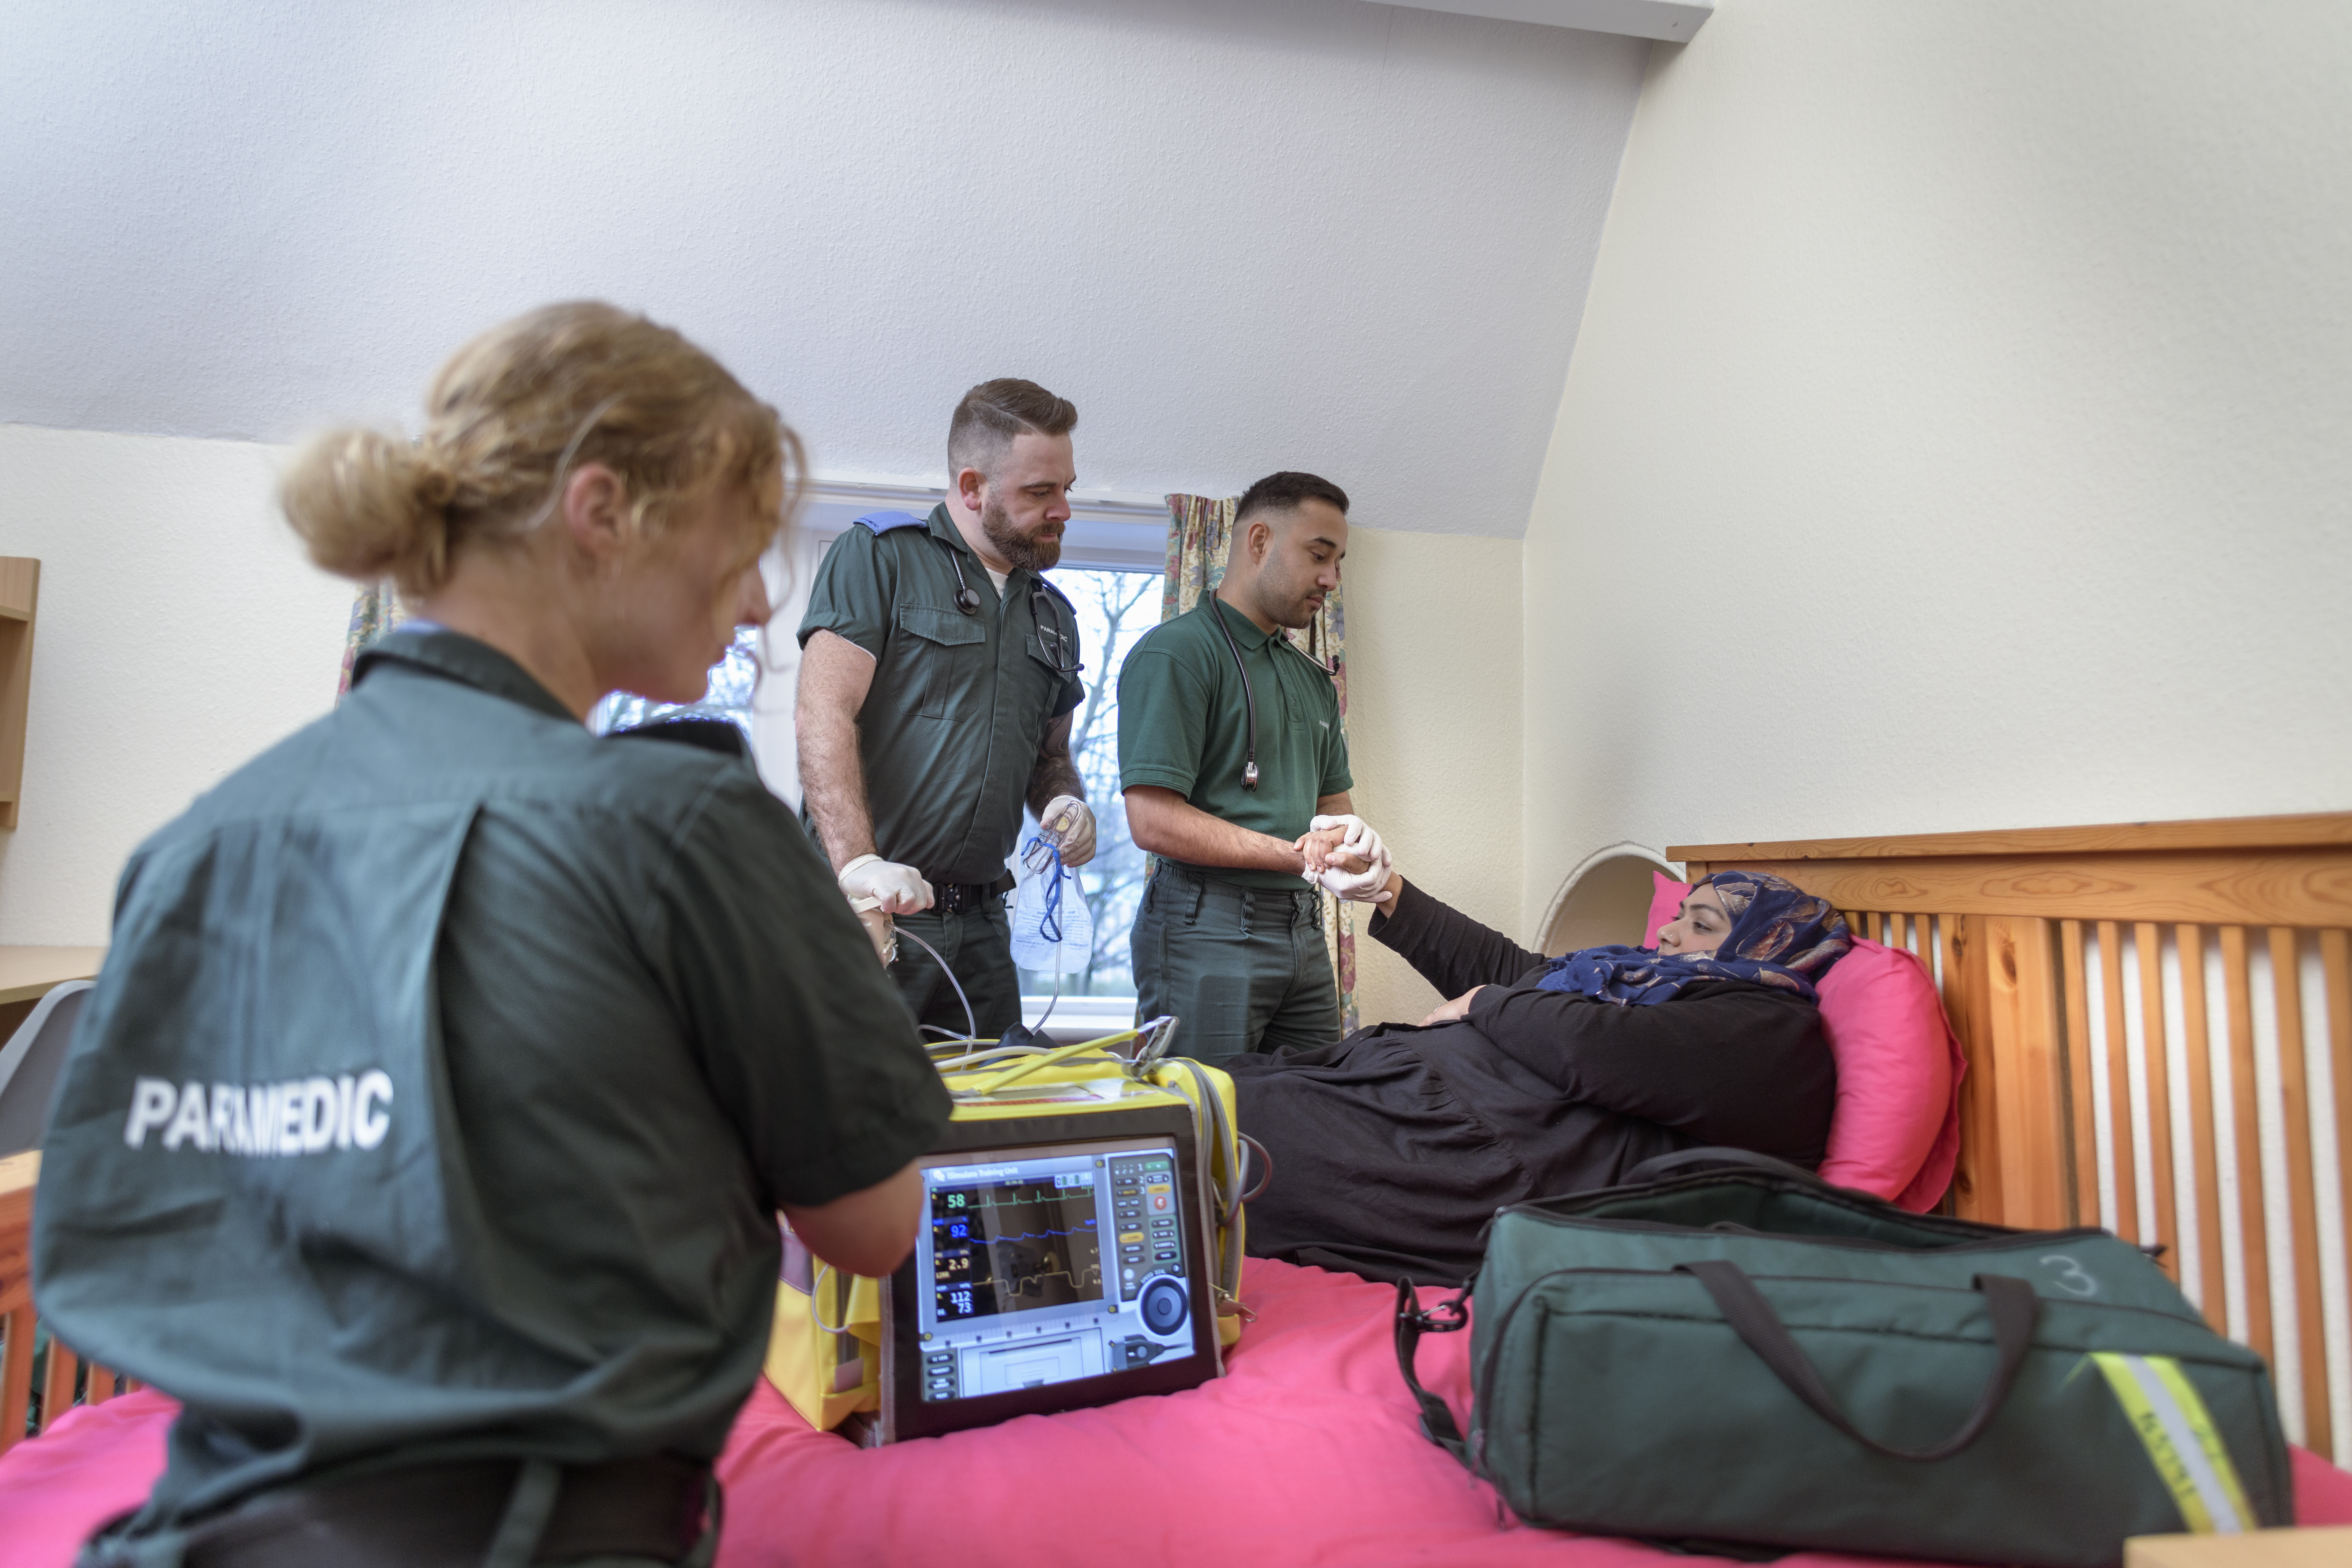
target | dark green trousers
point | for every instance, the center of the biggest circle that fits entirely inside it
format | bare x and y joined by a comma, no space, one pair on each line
1243,969
977,946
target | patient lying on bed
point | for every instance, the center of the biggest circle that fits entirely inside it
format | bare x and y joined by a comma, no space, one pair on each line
1393,1148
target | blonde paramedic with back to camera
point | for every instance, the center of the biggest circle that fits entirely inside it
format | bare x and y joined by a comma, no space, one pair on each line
452,1062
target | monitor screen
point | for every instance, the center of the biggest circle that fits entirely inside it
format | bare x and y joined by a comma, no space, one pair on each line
1009,1241
1038,1266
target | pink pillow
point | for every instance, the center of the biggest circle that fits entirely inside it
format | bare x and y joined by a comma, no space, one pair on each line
1665,902
1896,1130
1895,1133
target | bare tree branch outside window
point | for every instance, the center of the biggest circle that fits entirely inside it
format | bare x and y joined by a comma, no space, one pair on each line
729,697
1115,609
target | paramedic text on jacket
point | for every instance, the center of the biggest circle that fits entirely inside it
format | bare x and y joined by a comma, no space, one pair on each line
299,1116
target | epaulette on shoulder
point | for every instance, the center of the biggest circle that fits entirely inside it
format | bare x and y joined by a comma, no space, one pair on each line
885,521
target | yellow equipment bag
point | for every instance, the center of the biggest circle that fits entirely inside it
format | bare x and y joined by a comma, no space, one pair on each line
1153,1137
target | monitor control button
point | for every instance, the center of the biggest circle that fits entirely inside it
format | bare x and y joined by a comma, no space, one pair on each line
1165,1305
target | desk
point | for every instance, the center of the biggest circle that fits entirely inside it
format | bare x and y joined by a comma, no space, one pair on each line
27,973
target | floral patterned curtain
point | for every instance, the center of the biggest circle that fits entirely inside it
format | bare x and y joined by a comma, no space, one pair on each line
375,611
1200,530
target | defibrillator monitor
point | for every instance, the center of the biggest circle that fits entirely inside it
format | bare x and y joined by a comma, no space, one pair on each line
1048,1277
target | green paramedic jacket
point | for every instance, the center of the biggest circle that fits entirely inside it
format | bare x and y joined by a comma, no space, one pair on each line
443,1079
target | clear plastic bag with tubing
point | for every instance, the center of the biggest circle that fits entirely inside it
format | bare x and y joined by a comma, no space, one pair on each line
1053,930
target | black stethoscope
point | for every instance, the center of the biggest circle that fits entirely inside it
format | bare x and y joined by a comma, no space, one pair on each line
1249,698
1055,644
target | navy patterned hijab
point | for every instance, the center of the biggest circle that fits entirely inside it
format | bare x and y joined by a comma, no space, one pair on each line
1780,936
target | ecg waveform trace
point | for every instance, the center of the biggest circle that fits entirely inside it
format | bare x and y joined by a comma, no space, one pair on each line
1013,1247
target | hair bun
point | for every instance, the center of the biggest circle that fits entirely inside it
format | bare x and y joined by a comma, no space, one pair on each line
370,507
509,415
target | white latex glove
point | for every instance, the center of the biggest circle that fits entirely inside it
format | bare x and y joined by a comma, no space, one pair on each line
1369,886
1068,825
1360,840
896,889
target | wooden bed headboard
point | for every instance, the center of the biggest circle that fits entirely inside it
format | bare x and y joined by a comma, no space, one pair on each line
2158,1018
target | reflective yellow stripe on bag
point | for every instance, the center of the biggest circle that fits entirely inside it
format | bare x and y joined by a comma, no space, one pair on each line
2178,1432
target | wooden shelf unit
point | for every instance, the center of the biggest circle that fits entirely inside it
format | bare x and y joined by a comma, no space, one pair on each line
20,586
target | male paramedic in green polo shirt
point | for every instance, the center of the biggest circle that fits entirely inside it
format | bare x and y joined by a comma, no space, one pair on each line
938,675
1230,751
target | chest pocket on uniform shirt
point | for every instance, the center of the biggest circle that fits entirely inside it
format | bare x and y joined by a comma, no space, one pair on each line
1310,727
944,661
1046,684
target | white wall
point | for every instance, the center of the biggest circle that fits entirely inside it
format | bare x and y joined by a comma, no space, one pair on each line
180,631
1241,235
1433,732
1956,436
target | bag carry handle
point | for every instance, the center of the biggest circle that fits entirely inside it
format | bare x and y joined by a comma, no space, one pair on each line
1659,1165
2014,1306
1437,1423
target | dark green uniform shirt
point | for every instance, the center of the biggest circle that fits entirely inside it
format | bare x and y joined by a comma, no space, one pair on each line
443,1080
1183,725
960,704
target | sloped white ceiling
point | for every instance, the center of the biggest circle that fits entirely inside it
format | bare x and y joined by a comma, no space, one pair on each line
1241,235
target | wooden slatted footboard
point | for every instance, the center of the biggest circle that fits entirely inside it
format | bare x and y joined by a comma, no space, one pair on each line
39,1378
2158,1018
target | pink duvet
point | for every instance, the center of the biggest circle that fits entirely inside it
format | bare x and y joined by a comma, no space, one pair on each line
1307,1453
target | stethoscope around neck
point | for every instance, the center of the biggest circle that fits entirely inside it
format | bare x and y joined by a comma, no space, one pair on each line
1249,698
1055,644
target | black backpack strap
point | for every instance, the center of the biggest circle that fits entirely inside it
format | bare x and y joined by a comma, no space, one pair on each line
1437,1423
2011,1302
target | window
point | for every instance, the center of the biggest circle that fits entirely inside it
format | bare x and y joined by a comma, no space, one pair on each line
732,681
1115,609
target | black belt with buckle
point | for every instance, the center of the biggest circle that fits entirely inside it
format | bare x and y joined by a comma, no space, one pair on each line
962,898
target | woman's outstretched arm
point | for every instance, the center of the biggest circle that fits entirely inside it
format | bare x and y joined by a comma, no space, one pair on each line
1450,949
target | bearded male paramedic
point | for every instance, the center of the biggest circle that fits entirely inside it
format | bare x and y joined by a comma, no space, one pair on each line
938,673
1230,751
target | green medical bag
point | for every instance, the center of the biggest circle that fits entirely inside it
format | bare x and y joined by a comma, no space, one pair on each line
1743,1356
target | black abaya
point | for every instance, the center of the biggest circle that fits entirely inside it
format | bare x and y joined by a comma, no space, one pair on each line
1393,1148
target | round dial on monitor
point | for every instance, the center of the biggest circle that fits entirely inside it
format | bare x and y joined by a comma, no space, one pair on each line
1165,1304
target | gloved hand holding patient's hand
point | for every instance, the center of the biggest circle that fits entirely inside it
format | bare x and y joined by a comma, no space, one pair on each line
1069,824
895,889
1343,869
1357,881
1356,837
1317,846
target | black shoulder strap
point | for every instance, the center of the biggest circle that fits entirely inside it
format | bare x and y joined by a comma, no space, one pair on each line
1437,1423
2010,1302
